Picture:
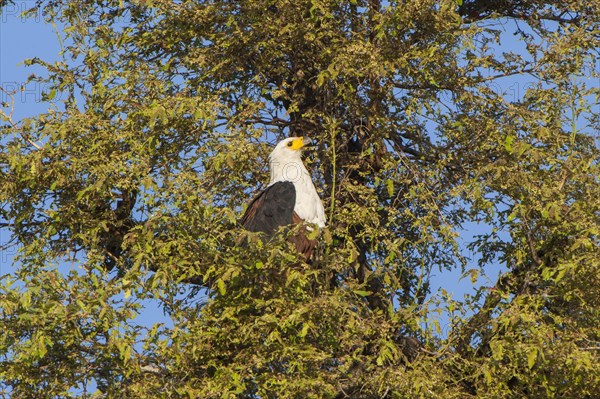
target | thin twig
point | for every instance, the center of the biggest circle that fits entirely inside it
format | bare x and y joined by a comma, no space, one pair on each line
8,118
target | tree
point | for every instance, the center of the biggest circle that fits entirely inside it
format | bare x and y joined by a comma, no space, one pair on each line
156,136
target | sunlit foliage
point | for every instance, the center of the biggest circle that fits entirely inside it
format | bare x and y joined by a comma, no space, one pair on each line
160,114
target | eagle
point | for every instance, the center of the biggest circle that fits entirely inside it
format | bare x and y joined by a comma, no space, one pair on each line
289,199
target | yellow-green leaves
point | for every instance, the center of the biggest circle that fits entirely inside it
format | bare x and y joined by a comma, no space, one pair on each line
221,286
449,146
508,143
531,357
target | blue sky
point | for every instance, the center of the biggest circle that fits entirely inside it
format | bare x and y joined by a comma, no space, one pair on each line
22,38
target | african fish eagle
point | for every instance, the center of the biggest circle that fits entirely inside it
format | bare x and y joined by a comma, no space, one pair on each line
289,199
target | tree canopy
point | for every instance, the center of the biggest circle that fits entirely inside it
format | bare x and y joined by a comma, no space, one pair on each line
160,115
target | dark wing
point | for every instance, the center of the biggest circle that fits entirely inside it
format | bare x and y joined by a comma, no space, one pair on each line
270,209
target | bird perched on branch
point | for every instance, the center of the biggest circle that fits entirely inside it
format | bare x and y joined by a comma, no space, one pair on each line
289,199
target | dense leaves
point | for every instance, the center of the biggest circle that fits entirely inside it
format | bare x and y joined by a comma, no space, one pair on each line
126,192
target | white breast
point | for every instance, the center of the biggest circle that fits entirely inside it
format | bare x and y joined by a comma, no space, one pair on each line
308,204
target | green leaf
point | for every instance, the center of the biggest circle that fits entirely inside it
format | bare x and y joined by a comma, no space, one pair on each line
304,330
221,286
508,143
474,275
50,96
531,357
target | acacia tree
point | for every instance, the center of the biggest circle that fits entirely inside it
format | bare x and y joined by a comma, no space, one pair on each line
128,188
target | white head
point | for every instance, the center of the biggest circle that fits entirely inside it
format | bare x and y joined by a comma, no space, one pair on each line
290,148
285,159
286,165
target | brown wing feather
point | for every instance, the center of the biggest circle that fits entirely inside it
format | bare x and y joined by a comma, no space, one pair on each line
303,244
252,208
273,208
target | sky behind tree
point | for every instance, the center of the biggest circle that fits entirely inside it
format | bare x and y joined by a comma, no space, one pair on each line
448,135
23,37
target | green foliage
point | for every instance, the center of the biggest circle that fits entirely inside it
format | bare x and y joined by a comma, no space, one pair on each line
126,192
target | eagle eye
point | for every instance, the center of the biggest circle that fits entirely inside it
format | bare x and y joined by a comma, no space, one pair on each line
289,144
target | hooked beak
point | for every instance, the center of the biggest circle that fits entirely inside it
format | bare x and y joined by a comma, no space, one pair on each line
308,142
